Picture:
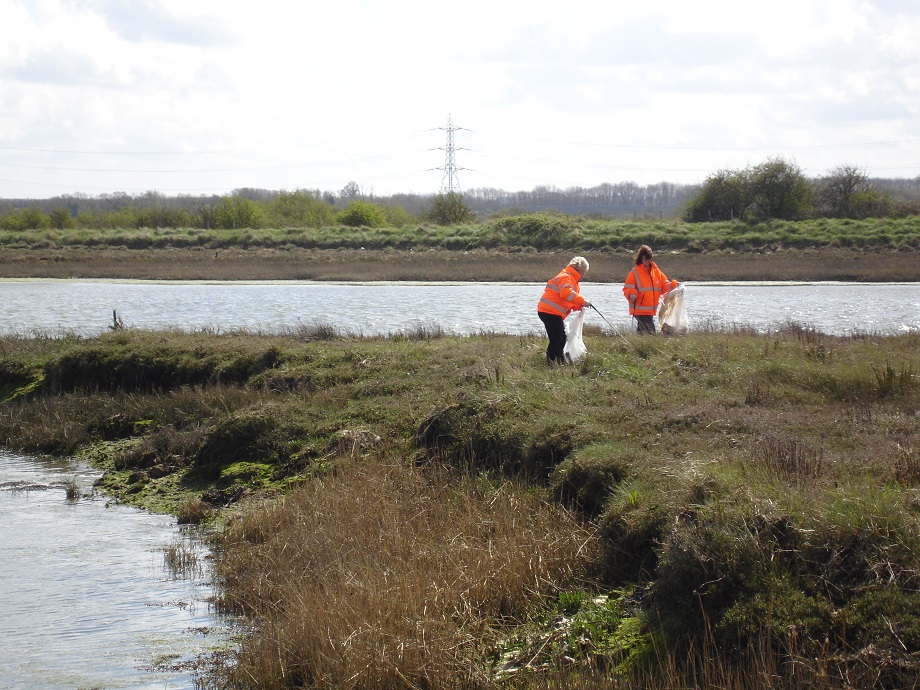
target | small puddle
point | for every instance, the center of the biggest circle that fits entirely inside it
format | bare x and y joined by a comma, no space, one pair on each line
97,595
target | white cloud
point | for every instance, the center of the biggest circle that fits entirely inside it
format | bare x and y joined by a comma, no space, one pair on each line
202,96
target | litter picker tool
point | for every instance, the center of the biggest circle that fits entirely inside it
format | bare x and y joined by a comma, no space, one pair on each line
603,317
615,329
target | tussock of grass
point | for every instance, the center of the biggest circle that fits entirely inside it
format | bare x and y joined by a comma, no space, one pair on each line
789,458
410,588
182,560
72,489
194,512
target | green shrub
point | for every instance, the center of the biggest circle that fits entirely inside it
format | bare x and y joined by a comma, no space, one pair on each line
709,560
248,436
17,379
487,433
300,209
363,214
884,618
631,527
450,209
781,613
538,230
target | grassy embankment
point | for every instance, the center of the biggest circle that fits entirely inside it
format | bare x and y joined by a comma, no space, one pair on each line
725,510
517,248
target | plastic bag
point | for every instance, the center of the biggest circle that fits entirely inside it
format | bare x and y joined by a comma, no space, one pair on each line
672,316
574,349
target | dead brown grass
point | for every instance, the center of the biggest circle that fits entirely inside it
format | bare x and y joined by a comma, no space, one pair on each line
371,598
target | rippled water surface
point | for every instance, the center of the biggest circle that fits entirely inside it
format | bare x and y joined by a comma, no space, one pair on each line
87,601
380,308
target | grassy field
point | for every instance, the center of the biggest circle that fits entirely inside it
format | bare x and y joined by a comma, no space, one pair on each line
724,509
517,248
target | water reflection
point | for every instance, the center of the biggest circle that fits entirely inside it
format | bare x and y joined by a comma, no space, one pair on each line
87,601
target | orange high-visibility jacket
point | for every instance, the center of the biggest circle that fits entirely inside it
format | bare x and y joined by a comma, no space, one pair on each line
561,295
648,286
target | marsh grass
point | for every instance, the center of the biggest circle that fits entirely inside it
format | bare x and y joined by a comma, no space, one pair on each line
322,330
907,463
182,559
407,590
421,331
72,489
397,507
790,458
194,511
893,381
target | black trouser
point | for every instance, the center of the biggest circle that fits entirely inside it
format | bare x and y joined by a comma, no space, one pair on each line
645,325
555,329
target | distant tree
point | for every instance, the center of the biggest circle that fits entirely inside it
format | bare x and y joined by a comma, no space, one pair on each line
300,209
363,214
206,217
60,218
253,194
847,192
238,212
350,192
397,216
25,219
724,196
156,216
779,189
450,208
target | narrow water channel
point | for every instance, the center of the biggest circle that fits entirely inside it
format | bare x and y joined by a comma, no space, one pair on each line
90,594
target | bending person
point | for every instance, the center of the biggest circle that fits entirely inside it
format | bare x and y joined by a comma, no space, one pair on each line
560,298
644,287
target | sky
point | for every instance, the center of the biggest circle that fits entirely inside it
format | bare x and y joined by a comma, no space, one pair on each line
201,97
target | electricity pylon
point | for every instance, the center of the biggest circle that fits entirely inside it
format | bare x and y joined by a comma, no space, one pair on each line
450,183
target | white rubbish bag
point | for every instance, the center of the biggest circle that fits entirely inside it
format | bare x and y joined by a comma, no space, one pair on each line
672,315
575,349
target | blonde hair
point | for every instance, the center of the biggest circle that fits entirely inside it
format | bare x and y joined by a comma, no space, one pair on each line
580,263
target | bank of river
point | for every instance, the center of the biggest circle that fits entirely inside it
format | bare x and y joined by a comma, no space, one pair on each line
88,599
426,264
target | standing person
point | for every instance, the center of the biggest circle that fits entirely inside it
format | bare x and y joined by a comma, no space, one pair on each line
559,299
644,286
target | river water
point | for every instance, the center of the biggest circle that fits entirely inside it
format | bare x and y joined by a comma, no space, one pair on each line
87,600
50,307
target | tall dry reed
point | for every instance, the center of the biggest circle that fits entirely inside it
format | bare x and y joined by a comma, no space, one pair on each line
387,576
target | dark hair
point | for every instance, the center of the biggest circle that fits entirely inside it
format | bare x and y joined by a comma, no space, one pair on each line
645,252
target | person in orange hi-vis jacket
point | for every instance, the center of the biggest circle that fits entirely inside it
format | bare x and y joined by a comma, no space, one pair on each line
644,286
561,297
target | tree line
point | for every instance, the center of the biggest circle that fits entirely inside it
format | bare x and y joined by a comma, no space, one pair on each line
776,188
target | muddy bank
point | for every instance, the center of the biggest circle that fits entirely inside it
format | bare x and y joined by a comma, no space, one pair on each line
444,265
